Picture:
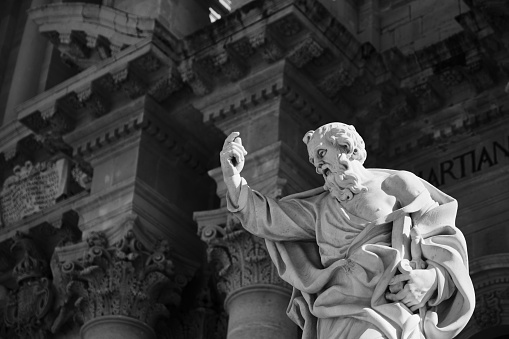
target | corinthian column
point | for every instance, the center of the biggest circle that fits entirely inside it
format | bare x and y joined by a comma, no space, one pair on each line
256,297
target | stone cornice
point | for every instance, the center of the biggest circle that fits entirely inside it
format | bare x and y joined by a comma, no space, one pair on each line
145,116
137,71
88,33
280,80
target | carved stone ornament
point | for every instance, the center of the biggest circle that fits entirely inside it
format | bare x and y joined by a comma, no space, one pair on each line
488,310
27,305
33,188
240,259
194,77
123,279
304,52
337,80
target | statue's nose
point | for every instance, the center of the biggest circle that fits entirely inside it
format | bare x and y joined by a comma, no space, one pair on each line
319,167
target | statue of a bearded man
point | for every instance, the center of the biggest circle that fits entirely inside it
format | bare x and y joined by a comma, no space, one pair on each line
374,253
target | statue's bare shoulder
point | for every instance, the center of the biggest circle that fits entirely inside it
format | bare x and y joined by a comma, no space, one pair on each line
403,185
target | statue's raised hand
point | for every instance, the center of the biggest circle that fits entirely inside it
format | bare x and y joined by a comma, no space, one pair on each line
232,155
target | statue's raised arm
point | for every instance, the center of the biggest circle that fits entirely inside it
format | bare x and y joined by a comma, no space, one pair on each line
383,257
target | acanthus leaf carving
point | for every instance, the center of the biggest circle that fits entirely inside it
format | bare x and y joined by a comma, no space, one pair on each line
122,279
239,258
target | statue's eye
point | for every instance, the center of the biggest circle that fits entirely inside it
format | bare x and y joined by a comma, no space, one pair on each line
321,153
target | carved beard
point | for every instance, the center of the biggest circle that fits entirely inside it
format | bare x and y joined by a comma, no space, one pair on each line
343,184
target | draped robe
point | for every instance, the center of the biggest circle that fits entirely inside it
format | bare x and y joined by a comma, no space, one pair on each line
340,265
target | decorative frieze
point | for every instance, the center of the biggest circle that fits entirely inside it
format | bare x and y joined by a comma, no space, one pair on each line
33,188
91,97
451,77
427,98
307,50
166,85
287,26
271,51
229,65
129,81
338,79
195,77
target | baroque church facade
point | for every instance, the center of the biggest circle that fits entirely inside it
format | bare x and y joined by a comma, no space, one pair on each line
113,213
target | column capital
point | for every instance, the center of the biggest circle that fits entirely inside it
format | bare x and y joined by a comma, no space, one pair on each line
240,258
125,278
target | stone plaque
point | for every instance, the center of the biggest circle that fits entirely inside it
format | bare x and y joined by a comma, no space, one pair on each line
33,188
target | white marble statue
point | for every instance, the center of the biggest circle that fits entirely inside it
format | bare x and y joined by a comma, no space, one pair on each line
374,253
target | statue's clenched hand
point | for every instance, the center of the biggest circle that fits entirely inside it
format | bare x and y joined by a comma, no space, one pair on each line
419,288
232,155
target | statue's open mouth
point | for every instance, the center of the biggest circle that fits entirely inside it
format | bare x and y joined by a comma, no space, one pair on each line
326,171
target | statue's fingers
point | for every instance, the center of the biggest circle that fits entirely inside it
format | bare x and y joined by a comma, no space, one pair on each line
238,147
403,293
390,296
409,300
399,278
238,140
416,307
230,138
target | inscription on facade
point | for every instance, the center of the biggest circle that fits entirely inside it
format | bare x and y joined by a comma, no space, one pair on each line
33,188
467,163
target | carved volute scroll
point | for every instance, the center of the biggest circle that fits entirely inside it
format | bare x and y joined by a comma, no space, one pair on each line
240,259
28,305
120,279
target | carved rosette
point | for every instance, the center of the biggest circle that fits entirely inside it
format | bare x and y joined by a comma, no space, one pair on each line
27,306
240,259
123,279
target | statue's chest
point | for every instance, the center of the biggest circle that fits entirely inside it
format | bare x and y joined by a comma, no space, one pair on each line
370,206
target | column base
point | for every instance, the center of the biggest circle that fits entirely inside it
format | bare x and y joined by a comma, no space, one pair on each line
259,312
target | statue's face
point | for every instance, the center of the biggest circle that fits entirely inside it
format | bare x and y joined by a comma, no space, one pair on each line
324,156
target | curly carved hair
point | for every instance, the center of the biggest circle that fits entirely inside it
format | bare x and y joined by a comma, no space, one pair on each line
342,136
